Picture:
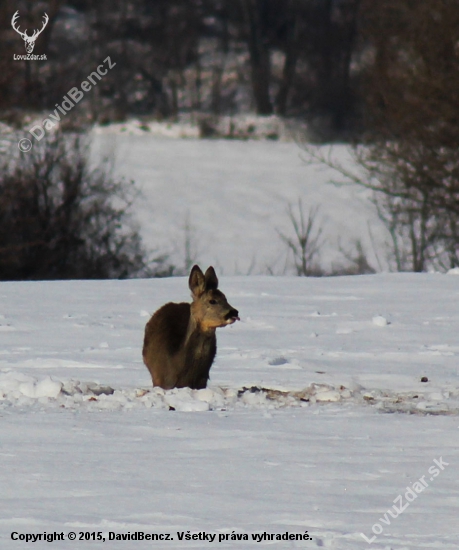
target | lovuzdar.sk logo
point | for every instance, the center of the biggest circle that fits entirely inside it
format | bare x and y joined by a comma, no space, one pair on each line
29,40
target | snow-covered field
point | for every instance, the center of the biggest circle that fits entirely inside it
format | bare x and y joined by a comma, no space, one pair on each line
234,195
315,419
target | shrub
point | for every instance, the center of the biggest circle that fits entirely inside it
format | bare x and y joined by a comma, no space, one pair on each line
61,219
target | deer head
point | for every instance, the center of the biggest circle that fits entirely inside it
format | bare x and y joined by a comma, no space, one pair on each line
29,40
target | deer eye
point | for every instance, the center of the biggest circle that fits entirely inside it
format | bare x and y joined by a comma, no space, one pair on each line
213,302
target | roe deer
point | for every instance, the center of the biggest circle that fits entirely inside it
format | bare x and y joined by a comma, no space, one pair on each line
180,343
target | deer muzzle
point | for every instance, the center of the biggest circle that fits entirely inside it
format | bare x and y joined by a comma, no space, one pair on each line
232,316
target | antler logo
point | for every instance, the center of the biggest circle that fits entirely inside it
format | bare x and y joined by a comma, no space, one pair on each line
29,40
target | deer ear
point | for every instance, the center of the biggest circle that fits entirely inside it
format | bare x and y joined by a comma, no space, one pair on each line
197,282
211,279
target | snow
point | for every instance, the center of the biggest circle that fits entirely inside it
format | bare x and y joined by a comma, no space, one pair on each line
328,402
244,126
315,418
134,127
233,196
380,321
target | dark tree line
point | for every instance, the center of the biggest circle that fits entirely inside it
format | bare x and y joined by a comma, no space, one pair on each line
386,72
290,57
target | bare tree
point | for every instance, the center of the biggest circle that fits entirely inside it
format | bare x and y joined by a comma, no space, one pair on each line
307,241
357,261
254,13
410,153
190,246
412,147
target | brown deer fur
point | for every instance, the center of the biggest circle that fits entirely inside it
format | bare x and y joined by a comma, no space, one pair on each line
180,342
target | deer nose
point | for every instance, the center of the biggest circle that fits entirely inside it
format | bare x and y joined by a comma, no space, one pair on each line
233,314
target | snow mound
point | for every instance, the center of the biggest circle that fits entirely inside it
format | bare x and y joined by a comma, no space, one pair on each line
134,127
44,388
380,321
240,127
19,390
248,126
18,387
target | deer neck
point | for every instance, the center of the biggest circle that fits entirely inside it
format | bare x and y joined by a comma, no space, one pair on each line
197,328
